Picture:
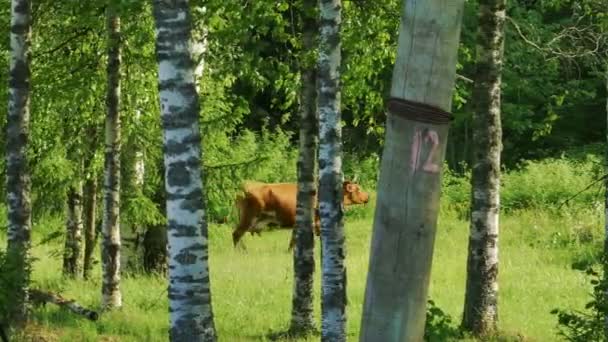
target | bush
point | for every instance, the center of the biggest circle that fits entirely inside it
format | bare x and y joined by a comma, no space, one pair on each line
264,157
455,191
438,325
550,183
587,325
546,184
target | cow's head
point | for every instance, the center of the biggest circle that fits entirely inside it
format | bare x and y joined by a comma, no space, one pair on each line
353,194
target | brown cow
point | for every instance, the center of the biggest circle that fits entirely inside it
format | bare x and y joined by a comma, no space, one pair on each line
265,204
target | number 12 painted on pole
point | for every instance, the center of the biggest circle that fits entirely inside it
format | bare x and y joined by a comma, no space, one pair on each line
425,136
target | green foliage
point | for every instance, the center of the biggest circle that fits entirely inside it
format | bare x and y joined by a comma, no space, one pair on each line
5,286
589,324
439,326
455,191
547,184
252,288
550,183
265,157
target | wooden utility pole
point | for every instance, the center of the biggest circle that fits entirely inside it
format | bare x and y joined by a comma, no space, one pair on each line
409,185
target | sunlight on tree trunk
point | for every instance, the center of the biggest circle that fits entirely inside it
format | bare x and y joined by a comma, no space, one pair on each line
17,174
481,298
410,175
110,252
191,314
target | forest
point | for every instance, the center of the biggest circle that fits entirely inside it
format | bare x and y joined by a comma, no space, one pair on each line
135,130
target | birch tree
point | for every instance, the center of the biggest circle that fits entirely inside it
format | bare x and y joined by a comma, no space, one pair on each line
110,252
191,314
410,174
72,261
606,197
17,174
333,290
481,297
302,318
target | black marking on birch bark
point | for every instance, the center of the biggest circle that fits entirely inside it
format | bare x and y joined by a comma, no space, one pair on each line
179,173
17,81
173,147
200,297
182,230
23,8
185,257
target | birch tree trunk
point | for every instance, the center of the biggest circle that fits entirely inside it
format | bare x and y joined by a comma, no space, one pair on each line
90,219
333,251
131,254
191,314
481,297
72,264
18,183
110,252
302,318
606,203
410,176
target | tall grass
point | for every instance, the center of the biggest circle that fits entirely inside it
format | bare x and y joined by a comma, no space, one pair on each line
540,249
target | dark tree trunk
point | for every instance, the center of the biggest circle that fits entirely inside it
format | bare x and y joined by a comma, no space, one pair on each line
481,297
17,174
90,225
155,257
606,204
110,247
302,318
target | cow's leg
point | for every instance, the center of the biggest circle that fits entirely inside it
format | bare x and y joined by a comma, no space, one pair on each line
246,220
237,234
246,224
292,241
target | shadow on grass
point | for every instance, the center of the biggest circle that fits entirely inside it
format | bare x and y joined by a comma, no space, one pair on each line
290,335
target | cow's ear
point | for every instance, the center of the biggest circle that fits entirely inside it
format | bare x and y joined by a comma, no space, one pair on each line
349,187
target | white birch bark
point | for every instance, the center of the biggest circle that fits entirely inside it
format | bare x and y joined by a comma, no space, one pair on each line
302,315
606,203
17,174
333,290
191,314
110,248
72,261
481,298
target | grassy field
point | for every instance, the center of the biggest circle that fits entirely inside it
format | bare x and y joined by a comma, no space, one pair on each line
252,288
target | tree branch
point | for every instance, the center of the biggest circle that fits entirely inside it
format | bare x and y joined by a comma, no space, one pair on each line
241,163
77,35
464,78
581,191
594,42
42,297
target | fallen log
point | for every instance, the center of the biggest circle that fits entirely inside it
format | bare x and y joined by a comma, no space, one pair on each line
43,297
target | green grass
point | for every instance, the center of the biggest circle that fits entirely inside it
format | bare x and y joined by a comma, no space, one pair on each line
252,288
